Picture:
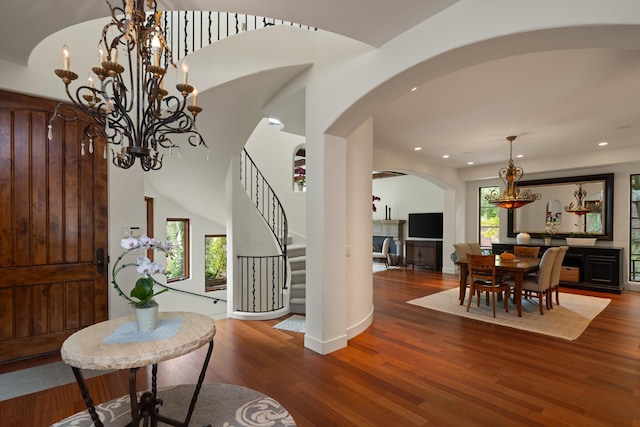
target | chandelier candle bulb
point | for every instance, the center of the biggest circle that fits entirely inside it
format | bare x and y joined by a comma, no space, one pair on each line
125,91
195,97
156,49
185,74
66,57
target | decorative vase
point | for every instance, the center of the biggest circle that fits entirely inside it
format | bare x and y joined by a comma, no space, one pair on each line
547,241
523,238
147,316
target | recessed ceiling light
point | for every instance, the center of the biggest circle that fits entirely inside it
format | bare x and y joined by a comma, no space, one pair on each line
519,156
415,88
274,122
417,148
469,163
445,156
603,143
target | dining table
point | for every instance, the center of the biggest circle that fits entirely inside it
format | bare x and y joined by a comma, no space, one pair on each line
517,268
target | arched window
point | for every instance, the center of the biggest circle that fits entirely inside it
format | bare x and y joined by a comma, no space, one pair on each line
300,169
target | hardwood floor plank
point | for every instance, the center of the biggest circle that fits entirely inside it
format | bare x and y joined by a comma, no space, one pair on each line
411,367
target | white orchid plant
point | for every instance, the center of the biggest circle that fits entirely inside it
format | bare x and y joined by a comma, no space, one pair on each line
551,228
142,293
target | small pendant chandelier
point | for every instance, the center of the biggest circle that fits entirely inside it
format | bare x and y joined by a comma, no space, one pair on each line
512,197
579,208
129,106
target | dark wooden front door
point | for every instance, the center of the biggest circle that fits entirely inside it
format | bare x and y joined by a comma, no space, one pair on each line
53,227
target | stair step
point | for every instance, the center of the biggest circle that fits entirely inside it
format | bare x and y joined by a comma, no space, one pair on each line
298,263
297,255
298,276
299,290
298,305
294,251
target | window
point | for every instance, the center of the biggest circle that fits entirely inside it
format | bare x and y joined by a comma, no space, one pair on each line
300,170
489,219
215,262
634,230
178,261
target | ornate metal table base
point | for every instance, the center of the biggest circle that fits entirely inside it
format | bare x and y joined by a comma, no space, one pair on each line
147,409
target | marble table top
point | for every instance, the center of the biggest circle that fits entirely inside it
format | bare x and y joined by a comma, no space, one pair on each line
85,349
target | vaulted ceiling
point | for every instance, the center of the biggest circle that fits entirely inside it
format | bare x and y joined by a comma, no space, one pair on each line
559,102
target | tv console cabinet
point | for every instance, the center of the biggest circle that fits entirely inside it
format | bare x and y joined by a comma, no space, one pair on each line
424,254
584,267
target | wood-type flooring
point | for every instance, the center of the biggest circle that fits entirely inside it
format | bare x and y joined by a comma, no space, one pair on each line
411,367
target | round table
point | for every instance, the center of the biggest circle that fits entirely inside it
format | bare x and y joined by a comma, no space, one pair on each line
112,345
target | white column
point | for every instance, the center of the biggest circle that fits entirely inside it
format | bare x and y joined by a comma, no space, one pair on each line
326,243
359,283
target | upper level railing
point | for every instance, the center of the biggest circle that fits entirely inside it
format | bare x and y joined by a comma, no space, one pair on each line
188,31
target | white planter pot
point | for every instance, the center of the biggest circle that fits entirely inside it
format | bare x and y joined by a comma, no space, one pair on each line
547,241
581,241
147,317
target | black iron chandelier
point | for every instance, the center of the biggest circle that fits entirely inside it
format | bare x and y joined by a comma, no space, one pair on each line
130,107
512,197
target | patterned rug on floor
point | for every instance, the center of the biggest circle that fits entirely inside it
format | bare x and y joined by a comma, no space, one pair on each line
218,405
294,323
567,320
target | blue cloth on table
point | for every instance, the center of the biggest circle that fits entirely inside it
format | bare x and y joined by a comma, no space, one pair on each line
128,332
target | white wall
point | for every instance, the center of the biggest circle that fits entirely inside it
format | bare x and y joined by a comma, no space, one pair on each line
359,297
273,151
198,228
407,194
621,208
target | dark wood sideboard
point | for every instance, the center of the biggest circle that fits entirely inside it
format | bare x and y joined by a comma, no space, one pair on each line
424,254
585,267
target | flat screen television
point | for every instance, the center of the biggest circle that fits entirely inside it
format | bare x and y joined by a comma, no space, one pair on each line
425,225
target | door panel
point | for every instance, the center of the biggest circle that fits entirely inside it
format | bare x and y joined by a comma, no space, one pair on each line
53,219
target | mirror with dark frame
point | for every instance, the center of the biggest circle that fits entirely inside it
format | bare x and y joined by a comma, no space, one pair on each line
576,204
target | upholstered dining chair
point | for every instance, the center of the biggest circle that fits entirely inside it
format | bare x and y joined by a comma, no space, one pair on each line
526,251
555,276
540,284
384,253
482,275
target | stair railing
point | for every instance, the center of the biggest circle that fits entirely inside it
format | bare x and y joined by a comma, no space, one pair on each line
263,278
188,31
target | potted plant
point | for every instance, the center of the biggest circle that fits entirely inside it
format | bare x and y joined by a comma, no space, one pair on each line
551,227
142,294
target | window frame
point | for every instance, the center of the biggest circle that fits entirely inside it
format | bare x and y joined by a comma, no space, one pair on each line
217,287
186,259
483,206
634,276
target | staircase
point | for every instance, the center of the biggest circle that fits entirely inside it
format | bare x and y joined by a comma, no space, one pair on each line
297,255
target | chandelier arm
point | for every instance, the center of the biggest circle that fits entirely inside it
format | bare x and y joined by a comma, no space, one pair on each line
128,108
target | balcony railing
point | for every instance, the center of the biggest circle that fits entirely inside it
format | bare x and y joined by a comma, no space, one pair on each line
188,31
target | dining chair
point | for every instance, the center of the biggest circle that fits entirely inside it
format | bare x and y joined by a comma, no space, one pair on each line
540,284
384,253
461,251
482,278
555,276
526,251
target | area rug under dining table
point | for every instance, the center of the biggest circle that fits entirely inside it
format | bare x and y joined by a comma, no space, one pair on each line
567,320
